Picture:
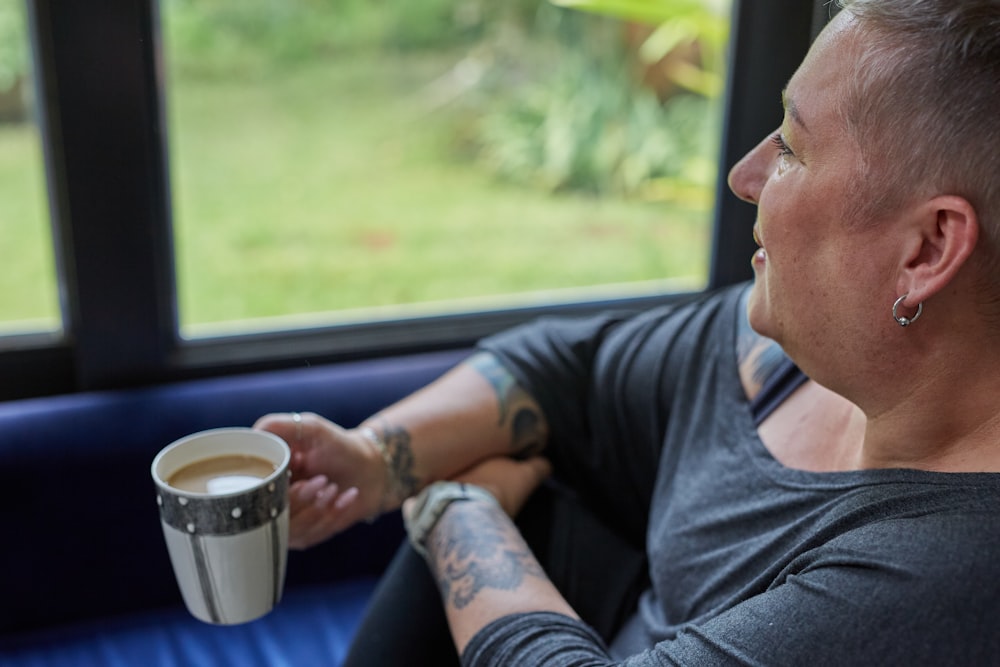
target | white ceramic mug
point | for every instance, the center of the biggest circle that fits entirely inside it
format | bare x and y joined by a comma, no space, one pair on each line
228,548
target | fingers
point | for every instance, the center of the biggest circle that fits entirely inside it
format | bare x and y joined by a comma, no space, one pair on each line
295,428
303,431
326,471
504,470
510,481
539,468
315,491
347,498
318,509
534,471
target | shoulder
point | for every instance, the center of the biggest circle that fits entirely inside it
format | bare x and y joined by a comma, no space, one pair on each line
682,339
932,576
940,542
702,321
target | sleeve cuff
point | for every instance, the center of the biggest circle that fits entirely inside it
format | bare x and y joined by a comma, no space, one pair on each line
535,638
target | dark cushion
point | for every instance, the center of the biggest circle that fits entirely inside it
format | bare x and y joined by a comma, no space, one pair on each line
311,626
82,538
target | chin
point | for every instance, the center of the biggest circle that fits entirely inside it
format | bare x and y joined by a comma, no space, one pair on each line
758,310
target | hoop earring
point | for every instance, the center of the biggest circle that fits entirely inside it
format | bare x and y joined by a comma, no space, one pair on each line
905,321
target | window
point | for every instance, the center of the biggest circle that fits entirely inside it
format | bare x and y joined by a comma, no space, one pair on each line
115,105
28,293
336,161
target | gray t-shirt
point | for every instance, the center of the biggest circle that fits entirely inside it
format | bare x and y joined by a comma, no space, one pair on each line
750,562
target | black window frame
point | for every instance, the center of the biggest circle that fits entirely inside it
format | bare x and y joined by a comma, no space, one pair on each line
100,102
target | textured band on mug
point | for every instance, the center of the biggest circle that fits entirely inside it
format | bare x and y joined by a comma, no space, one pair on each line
224,515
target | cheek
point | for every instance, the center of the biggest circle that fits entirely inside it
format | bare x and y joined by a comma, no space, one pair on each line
782,223
781,197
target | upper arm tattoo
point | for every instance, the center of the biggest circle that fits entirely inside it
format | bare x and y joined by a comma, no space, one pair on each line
517,409
475,549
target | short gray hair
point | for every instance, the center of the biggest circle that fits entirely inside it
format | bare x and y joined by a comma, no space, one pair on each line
924,108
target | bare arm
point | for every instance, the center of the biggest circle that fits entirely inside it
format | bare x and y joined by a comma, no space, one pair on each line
482,565
473,412
485,570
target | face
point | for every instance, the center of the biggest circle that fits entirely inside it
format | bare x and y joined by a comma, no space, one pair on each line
814,271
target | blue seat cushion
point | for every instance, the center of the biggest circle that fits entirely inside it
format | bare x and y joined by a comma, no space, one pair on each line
311,626
77,503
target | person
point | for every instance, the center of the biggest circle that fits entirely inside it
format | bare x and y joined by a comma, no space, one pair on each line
800,471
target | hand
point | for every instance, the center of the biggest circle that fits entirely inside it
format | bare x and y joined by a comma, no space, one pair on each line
337,476
510,481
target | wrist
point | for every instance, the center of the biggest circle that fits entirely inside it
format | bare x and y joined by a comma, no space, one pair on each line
384,480
431,504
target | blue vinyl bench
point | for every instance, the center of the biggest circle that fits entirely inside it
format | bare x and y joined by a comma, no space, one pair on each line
85,575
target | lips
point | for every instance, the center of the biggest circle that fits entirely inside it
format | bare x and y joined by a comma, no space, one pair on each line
759,257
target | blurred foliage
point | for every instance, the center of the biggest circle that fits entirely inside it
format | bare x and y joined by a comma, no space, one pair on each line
559,93
591,121
584,130
545,94
13,43
230,37
704,23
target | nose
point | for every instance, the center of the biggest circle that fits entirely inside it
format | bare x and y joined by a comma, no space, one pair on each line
748,176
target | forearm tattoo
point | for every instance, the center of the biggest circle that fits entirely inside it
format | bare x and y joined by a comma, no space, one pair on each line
518,411
400,457
475,547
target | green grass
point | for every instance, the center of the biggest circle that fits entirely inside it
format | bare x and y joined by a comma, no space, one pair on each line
28,293
336,186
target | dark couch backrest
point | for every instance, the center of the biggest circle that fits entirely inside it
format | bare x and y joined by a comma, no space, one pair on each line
77,509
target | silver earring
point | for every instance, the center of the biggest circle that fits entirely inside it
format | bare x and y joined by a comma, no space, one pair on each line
905,321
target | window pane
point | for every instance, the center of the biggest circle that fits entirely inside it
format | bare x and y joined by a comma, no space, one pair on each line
28,294
336,160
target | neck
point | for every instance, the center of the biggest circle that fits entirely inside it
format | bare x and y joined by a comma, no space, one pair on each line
959,432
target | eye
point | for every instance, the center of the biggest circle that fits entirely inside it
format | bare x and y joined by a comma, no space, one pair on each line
781,145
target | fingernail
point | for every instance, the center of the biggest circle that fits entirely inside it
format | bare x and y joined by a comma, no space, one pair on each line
346,498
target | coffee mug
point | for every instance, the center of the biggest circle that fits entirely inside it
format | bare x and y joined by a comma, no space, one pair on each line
223,498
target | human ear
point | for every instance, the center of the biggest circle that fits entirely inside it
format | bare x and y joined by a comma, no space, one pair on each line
948,229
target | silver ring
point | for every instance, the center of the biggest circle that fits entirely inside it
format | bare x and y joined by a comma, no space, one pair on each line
905,321
297,418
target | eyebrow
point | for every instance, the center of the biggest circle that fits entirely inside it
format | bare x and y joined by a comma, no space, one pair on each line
793,110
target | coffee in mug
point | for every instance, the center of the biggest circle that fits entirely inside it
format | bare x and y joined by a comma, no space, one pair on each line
223,499
221,474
